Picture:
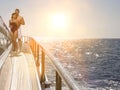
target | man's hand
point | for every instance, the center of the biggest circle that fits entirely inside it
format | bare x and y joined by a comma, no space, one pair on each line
22,22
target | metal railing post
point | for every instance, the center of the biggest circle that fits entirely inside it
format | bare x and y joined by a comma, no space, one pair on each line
37,62
33,46
58,82
43,67
35,49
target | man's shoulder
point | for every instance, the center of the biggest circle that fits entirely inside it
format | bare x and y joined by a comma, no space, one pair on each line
19,17
21,20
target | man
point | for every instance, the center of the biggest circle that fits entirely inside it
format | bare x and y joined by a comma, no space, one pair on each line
21,21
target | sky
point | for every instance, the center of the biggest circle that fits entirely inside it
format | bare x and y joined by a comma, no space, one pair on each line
84,18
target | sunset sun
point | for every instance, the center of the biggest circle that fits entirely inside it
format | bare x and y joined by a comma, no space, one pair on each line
58,21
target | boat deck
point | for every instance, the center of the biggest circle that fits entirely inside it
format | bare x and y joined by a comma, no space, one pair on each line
19,72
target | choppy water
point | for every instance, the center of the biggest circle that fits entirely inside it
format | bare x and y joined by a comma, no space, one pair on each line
96,61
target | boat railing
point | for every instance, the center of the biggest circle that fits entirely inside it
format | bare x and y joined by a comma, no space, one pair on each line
5,42
61,73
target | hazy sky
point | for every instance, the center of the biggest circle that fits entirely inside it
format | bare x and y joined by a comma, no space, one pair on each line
86,18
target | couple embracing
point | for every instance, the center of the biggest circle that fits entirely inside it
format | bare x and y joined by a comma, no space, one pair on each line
14,23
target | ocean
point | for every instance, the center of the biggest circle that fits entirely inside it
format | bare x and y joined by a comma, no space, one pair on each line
95,61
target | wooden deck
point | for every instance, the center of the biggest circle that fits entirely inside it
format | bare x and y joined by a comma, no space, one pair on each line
19,72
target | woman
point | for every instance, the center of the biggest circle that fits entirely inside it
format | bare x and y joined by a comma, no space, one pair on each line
13,24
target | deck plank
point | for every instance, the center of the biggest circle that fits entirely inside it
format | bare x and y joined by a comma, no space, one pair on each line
19,72
33,71
6,74
20,77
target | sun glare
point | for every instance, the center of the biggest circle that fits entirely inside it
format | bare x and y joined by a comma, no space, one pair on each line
58,21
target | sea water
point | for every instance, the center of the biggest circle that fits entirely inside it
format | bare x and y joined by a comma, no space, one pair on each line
95,61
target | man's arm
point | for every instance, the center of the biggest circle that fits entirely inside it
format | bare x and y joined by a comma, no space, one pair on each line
22,21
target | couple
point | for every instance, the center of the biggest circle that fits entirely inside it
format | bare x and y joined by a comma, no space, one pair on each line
14,23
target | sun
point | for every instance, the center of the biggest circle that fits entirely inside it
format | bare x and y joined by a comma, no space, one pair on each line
59,21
